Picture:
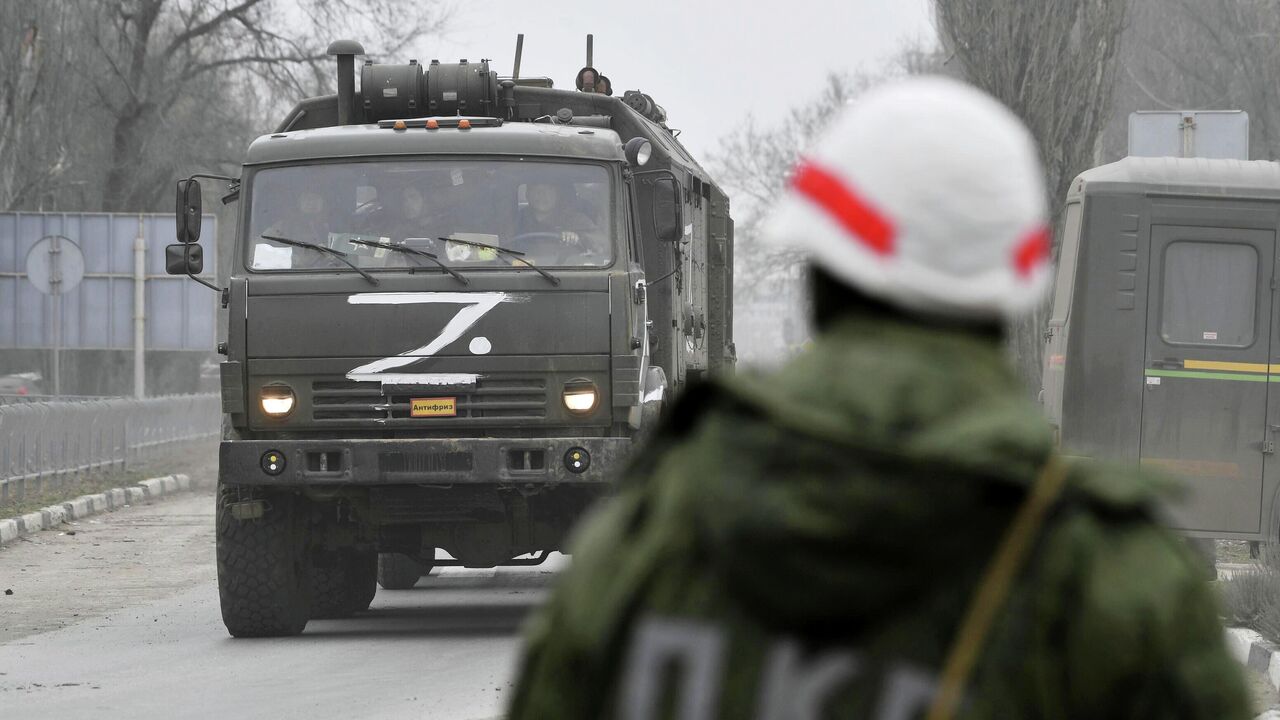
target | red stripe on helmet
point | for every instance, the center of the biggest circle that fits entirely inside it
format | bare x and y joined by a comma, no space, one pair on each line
865,223
1032,251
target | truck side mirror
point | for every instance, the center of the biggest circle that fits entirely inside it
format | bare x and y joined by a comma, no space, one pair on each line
668,210
184,259
188,211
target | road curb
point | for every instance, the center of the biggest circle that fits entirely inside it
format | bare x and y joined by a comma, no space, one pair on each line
53,516
1251,650
78,508
31,522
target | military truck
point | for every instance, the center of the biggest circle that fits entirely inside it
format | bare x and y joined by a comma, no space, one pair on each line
1162,346
452,302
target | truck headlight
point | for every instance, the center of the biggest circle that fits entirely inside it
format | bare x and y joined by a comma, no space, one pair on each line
580,397
277,400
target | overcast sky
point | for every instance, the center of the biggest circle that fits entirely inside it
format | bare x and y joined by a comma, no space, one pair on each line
708,62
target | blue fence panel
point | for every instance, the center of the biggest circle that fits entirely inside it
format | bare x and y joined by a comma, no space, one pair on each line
8,299
32,315
98,313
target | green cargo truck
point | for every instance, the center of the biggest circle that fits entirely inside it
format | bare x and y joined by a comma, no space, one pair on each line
452,301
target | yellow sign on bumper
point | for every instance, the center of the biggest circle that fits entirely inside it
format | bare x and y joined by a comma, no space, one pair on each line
433,407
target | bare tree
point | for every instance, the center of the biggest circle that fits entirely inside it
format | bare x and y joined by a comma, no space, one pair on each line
753,164
103,102
39,92
1200,54
166,55
1053,62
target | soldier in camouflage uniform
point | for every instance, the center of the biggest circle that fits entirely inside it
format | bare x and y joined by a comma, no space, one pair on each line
881,530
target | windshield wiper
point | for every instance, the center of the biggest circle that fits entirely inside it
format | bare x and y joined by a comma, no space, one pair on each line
412,252
513,254
324,250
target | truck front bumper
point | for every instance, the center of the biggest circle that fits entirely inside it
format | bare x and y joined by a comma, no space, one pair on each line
506,461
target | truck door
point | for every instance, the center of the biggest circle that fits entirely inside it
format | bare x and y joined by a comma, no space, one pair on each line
1204,412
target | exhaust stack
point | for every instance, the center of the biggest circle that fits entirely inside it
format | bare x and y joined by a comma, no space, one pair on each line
515,72
346,50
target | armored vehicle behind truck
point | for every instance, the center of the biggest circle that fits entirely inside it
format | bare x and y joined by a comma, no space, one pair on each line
453,302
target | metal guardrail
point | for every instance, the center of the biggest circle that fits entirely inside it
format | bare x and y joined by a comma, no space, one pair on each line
42,444
15,399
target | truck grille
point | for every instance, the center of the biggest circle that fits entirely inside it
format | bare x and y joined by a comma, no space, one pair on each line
491,399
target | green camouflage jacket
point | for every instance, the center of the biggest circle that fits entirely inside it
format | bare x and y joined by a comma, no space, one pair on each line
804,546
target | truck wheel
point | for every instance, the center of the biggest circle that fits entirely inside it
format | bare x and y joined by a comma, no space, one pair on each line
397,571
343,582
263,568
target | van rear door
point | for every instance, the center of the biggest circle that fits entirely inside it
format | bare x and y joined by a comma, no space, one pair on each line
1204,410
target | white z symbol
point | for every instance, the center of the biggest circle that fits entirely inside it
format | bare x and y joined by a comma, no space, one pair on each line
475,306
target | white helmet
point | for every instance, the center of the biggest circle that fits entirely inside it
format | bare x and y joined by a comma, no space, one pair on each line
928,194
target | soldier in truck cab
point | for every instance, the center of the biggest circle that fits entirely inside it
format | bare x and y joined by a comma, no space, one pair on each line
419,214
409,221
307,220
549,213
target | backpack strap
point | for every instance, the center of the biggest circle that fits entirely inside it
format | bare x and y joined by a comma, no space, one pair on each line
994,587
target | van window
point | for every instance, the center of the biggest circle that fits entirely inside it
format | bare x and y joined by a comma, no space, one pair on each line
1068,250
1210,294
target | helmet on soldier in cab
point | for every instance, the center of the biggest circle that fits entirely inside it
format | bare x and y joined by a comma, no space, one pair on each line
926,194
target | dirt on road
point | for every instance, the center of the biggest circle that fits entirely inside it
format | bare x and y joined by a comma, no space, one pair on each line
101,565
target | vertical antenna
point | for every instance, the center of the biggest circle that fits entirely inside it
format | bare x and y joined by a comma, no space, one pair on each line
590,39
515,74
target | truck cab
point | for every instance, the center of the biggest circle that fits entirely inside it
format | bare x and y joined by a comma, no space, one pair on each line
452,302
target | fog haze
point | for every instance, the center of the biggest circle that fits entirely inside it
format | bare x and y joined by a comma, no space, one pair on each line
708,63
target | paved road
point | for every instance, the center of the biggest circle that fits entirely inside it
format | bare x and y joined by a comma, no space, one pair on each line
120,619
144,639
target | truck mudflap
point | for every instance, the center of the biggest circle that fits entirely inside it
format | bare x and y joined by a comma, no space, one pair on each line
515,461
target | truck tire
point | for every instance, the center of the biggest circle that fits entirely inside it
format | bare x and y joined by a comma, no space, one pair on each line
343,582
263,568
397,571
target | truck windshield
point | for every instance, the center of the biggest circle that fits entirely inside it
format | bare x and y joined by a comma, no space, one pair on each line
556,214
